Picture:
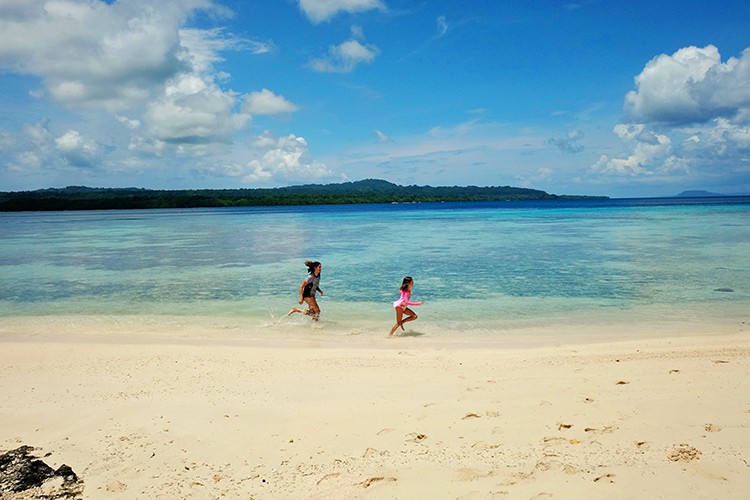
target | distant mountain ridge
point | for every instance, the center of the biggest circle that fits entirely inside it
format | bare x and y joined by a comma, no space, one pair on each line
364,191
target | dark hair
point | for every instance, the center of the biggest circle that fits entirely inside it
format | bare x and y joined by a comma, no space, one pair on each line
405,283
311,265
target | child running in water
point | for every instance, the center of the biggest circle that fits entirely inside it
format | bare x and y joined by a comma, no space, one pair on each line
307,289
403,303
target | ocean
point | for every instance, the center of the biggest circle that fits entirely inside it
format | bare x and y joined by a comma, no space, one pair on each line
514,272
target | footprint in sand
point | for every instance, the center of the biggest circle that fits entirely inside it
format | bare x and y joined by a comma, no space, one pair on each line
555,440
556,465
604,477
328,476
369,482
482,446
712,428
606,430
372,452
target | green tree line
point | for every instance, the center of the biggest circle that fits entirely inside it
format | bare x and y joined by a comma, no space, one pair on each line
366,191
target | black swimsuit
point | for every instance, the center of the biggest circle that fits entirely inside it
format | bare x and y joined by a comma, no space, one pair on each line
311,286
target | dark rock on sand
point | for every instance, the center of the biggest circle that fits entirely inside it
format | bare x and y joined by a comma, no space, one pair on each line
23,475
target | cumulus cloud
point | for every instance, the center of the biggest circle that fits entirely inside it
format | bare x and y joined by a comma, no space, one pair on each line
318,11
123,56
266,102
688,115
93,54
345,57
284,158
690,86
194,110
648,150
77,150
136,63
36,149
26,151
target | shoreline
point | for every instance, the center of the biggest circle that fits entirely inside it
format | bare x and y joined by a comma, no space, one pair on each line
660,418
296,331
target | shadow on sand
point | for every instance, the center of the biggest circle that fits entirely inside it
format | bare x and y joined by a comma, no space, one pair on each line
408,334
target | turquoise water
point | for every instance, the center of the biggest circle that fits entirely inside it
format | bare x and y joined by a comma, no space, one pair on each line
483,269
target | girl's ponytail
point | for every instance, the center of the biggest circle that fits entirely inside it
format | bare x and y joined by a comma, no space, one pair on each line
311,265
405,283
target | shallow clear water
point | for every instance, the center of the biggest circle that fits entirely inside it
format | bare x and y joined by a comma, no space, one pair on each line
483,269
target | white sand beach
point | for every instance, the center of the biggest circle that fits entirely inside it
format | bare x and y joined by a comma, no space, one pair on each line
147,418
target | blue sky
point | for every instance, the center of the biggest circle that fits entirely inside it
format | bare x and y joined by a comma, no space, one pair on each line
637,98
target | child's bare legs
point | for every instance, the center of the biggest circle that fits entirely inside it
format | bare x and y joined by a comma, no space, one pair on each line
399,315
400,320
312,309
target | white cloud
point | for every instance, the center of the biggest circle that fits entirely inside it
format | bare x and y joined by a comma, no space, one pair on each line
690,86
648,150
203,47
130,123
93,54
720,140
345,57
266,102
318,11
128,55
194,111
36,149
77,150
136,66
689,115
278,159
28,150
147,146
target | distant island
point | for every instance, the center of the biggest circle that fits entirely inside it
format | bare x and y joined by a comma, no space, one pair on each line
698,193
365,191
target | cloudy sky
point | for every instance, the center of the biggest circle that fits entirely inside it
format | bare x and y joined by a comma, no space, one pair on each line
635,98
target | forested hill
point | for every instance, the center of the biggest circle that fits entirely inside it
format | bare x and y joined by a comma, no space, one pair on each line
366,191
